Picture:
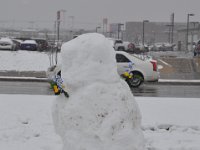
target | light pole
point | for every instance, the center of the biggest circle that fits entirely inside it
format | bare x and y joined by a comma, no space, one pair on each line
172,23
188,17
59,20
169,33
97,29
154,37
143,31
119,29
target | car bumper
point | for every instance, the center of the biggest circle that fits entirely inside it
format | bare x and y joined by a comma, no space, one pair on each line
153,78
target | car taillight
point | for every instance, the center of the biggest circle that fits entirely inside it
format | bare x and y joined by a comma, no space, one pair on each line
154,63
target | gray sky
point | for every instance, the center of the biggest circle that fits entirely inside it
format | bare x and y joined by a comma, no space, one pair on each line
89,13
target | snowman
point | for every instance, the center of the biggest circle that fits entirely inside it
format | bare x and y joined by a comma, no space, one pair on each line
100,112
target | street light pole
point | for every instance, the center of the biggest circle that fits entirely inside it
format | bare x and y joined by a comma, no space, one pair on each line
58,25
188,17
169,33
119,28
172,23
143,30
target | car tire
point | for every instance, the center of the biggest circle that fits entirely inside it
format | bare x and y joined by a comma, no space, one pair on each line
136,80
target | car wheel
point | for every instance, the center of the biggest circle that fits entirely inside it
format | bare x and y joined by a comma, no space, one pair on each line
136,80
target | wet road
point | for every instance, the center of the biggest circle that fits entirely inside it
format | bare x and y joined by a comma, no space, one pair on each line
21,87
159,90
146,90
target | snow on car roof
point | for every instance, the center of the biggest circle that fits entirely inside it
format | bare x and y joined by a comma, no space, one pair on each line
30,41
6,40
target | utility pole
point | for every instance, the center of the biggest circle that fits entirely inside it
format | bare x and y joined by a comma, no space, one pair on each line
169,33
119,29
58,35
58,25
172,19
187,30
143,31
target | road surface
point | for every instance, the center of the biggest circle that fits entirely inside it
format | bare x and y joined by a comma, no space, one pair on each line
167,90
147,90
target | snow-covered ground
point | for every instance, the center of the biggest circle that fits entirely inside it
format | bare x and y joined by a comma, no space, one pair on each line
168,123
25,60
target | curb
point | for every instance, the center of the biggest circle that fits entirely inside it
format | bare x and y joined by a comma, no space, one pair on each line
176,82
160,81
24,79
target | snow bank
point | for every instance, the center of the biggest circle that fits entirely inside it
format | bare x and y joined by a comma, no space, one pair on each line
101,112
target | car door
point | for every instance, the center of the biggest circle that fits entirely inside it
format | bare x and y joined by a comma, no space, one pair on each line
123,63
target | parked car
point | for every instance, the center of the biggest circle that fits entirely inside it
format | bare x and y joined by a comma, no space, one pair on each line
140,70
139,48
29,45
17,43
7,44
42,44
120,45
162,47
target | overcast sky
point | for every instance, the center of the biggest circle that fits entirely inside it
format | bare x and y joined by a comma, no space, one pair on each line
90,13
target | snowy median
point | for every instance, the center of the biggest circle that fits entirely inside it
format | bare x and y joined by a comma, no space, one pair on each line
24,61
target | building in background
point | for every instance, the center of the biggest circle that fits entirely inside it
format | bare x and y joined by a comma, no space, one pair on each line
155,32
193,37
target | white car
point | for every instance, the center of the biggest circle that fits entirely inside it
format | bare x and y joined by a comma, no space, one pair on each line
7,44
141,70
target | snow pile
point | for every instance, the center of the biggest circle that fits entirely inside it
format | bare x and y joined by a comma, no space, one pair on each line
101,113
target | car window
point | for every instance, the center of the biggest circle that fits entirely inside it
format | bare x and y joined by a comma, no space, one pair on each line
122,58
118,42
